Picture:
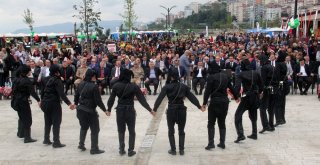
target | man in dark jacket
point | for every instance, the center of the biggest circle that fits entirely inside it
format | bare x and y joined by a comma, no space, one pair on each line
87,98
22,89
126,114
177,112
199,77
152,75
67,75
217,84
269,76
252,87
51,107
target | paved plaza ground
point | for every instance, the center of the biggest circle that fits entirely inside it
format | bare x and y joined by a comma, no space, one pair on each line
297,142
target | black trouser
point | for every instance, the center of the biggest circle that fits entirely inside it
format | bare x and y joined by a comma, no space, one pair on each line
113,81
199,80
280,105
153,81
67,83
52,117
268,103
126,115
25,118
89,120
217,111
176,114
102,84
251,103
304,82
20,132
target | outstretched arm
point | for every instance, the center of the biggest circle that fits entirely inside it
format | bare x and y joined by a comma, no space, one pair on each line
193,98
160,98
111,99
142,99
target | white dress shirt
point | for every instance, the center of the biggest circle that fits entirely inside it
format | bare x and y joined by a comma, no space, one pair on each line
200,73
303,71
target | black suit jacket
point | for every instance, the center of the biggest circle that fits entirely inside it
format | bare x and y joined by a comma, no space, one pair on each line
222,65
68,72
233,68
306,67
145,66
196,72
106,70
157,71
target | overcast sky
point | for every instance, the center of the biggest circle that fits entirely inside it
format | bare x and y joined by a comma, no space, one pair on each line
47,12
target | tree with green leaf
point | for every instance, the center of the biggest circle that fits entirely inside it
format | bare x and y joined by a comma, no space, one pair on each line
28,19
129,15
87,15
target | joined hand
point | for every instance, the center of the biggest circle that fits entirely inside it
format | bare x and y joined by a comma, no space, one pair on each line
203,108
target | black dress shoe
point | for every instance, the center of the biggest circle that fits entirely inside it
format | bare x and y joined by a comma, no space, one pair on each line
29,140
209,147
181,152
131,153
58,145
47,142
82,147
240,139
263,130
96,151
254,137
221,145
20,135
271,129
277,124
305,93
122,152
171,152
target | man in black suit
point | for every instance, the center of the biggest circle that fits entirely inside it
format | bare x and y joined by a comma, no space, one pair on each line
103,75
231,64
115,73
303,74
182,72
144,63
152,75
220,62
67,74
199,77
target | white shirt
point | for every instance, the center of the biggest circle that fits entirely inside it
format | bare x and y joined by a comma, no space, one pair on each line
117,74
22,56
206,65
273,63
47,72
199,73
178,70
303,71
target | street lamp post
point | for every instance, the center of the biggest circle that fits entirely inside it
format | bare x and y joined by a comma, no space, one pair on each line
294,31
166,19
168,9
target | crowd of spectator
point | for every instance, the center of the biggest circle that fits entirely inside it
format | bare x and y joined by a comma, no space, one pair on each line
151,57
